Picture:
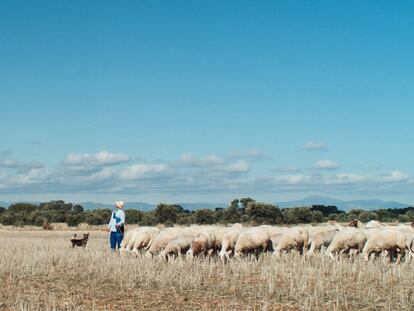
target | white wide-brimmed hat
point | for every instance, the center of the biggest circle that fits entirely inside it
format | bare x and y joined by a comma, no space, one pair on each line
119,204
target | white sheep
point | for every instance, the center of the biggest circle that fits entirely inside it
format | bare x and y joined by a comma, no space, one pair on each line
293,238
252,240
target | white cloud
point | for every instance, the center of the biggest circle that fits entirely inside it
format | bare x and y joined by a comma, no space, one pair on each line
33,176
141,171
293,179
102,158
395,176
100,176
189,159
312,146
7,161
237,167
97,173
343,179
326,165
287,169
10,163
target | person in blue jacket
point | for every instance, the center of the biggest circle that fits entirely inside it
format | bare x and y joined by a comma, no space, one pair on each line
116,225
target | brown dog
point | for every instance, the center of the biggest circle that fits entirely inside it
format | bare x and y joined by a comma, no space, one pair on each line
79,241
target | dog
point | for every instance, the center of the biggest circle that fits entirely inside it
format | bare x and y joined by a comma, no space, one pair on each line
79,241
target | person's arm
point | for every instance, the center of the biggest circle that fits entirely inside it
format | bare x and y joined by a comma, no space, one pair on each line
122,216
110,221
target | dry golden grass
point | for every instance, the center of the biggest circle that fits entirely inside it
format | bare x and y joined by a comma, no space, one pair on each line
39,271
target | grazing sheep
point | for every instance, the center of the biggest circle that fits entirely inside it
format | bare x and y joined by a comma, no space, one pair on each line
293,238
347,240
143,238
252,241
125,241
228,242
219,233
390,240
275,234
160,241
204,243
177,246
321,238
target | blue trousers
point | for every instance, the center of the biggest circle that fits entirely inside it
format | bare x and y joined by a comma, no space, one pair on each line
116,239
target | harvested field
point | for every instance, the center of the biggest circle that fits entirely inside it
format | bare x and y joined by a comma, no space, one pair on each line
40,271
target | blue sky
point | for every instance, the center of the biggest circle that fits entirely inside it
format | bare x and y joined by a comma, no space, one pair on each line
206,101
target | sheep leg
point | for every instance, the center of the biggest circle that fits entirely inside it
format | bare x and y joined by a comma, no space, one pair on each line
366,256
311,249
398,258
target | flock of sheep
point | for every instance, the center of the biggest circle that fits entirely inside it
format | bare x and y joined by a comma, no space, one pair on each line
392,242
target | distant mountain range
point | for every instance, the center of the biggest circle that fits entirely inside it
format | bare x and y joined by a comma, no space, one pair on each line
135,205
308,201
143,206
372,204
148,206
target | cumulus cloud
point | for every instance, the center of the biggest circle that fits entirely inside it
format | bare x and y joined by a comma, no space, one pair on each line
293,179
287,169
237,167
116,173
103,174
9,162
343,179
102,158
33,176
326,165
212,166
141,171
395,176
189,159
313,146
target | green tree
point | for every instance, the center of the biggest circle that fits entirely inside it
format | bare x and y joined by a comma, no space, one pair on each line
232,213
317,216
133,216
385,215
78,209
73,219
204,217
148,219
35,218
22,208
8,218
262,213
296,215
58,205
185,218
326,210
219,215
410,215
98,216
245,201
168,213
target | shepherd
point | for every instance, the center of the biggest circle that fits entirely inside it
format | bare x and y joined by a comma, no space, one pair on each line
116,225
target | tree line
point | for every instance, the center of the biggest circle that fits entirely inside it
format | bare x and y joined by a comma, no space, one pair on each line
245,210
